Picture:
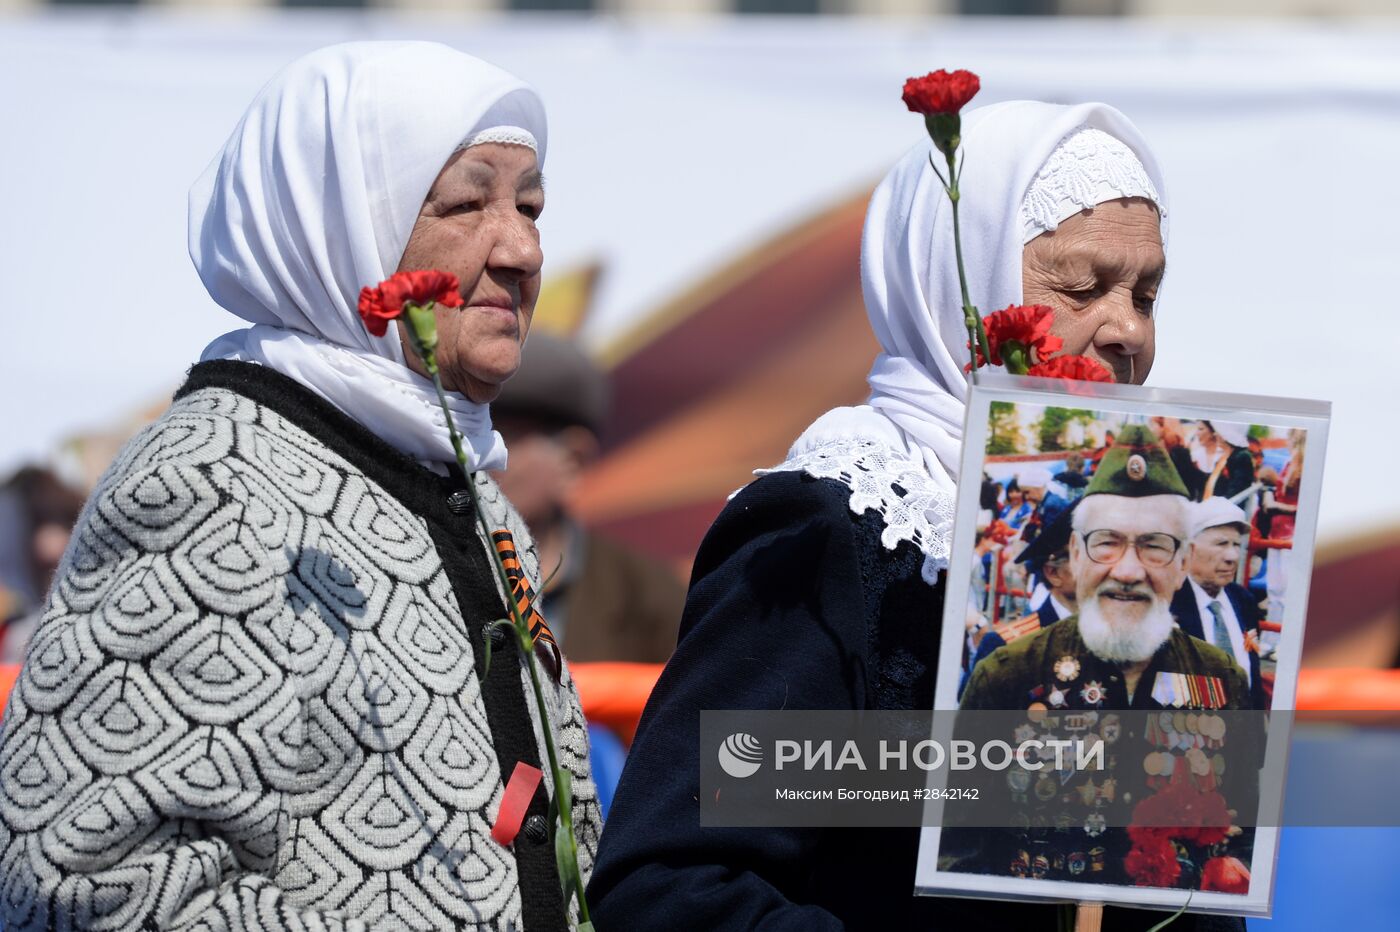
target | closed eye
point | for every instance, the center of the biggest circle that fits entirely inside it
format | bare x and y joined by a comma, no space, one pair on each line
1082,295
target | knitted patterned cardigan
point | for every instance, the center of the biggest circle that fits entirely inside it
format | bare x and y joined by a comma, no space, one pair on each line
257,697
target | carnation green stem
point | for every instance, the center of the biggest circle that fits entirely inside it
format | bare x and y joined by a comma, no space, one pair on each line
522,631
976,333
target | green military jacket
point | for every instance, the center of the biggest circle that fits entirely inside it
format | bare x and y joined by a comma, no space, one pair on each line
1063,821
1033,669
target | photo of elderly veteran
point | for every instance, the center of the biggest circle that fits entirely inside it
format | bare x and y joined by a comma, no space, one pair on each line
1122,650
1127,554
819,585
257,697
1211,604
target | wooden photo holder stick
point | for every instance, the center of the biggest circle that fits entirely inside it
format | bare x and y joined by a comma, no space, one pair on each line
1088,917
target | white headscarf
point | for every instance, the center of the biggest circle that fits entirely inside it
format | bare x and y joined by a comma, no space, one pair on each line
314,197
918,387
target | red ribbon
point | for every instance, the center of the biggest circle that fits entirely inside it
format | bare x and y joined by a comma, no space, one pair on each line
519,791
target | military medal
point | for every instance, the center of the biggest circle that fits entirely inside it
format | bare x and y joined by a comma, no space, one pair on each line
1040,866
1092,693
1057,697
1019,781
1077,863
1024,733
1110,728
1046,788
1087,792
1095,860
1036,712
1066,669
1021,864
1095,824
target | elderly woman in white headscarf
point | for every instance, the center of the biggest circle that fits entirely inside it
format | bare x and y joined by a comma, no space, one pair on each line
258,697
819,586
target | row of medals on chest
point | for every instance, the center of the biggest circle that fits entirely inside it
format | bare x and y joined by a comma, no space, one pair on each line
1177,738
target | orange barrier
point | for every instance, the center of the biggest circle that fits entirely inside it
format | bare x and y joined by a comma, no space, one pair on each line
614,694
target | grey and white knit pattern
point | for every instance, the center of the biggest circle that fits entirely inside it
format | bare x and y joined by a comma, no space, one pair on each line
252,703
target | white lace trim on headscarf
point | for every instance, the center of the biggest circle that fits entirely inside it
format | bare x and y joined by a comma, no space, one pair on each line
1088,168
900,451
314,197
504,135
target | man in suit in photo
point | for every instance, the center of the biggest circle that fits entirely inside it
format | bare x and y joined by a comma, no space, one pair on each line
1211,604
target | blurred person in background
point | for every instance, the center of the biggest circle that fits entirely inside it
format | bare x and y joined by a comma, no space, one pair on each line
1047,562
257,698
1211,604
43,509
805,597
1278,513
1072,477
1173,437
1017,510
1035,483
1232,467
603,600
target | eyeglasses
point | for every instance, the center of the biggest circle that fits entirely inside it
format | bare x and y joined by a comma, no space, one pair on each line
1105,546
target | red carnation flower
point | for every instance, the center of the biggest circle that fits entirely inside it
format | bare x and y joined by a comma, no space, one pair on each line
941,91
386,301
1027,328
1153,863
1226,875
1078,368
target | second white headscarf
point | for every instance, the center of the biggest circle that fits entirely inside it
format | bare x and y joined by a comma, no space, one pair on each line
314,196
918,388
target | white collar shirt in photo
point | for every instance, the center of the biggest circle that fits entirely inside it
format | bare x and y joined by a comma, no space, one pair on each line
1232,625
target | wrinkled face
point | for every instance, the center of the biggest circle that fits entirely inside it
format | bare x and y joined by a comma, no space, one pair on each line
1214,557
1099,271
478,222
1034,493
1129,590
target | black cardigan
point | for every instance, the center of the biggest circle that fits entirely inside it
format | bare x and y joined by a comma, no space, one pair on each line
794,604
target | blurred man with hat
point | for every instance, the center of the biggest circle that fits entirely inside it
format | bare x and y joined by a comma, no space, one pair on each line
1211,605
604,601
1047,558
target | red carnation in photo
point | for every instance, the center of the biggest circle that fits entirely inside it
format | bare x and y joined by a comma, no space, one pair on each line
1225,875
941,91
386,301
1078,368
1024,328
1153,863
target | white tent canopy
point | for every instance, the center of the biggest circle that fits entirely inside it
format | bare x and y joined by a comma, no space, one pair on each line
674,147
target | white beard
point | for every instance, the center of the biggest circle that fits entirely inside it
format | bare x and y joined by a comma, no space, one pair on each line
1125,641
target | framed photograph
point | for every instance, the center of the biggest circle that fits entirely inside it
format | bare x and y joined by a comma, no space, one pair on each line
1129,571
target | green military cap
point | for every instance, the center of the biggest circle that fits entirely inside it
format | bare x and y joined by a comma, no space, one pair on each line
1136,466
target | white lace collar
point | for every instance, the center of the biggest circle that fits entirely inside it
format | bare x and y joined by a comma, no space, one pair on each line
912,506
